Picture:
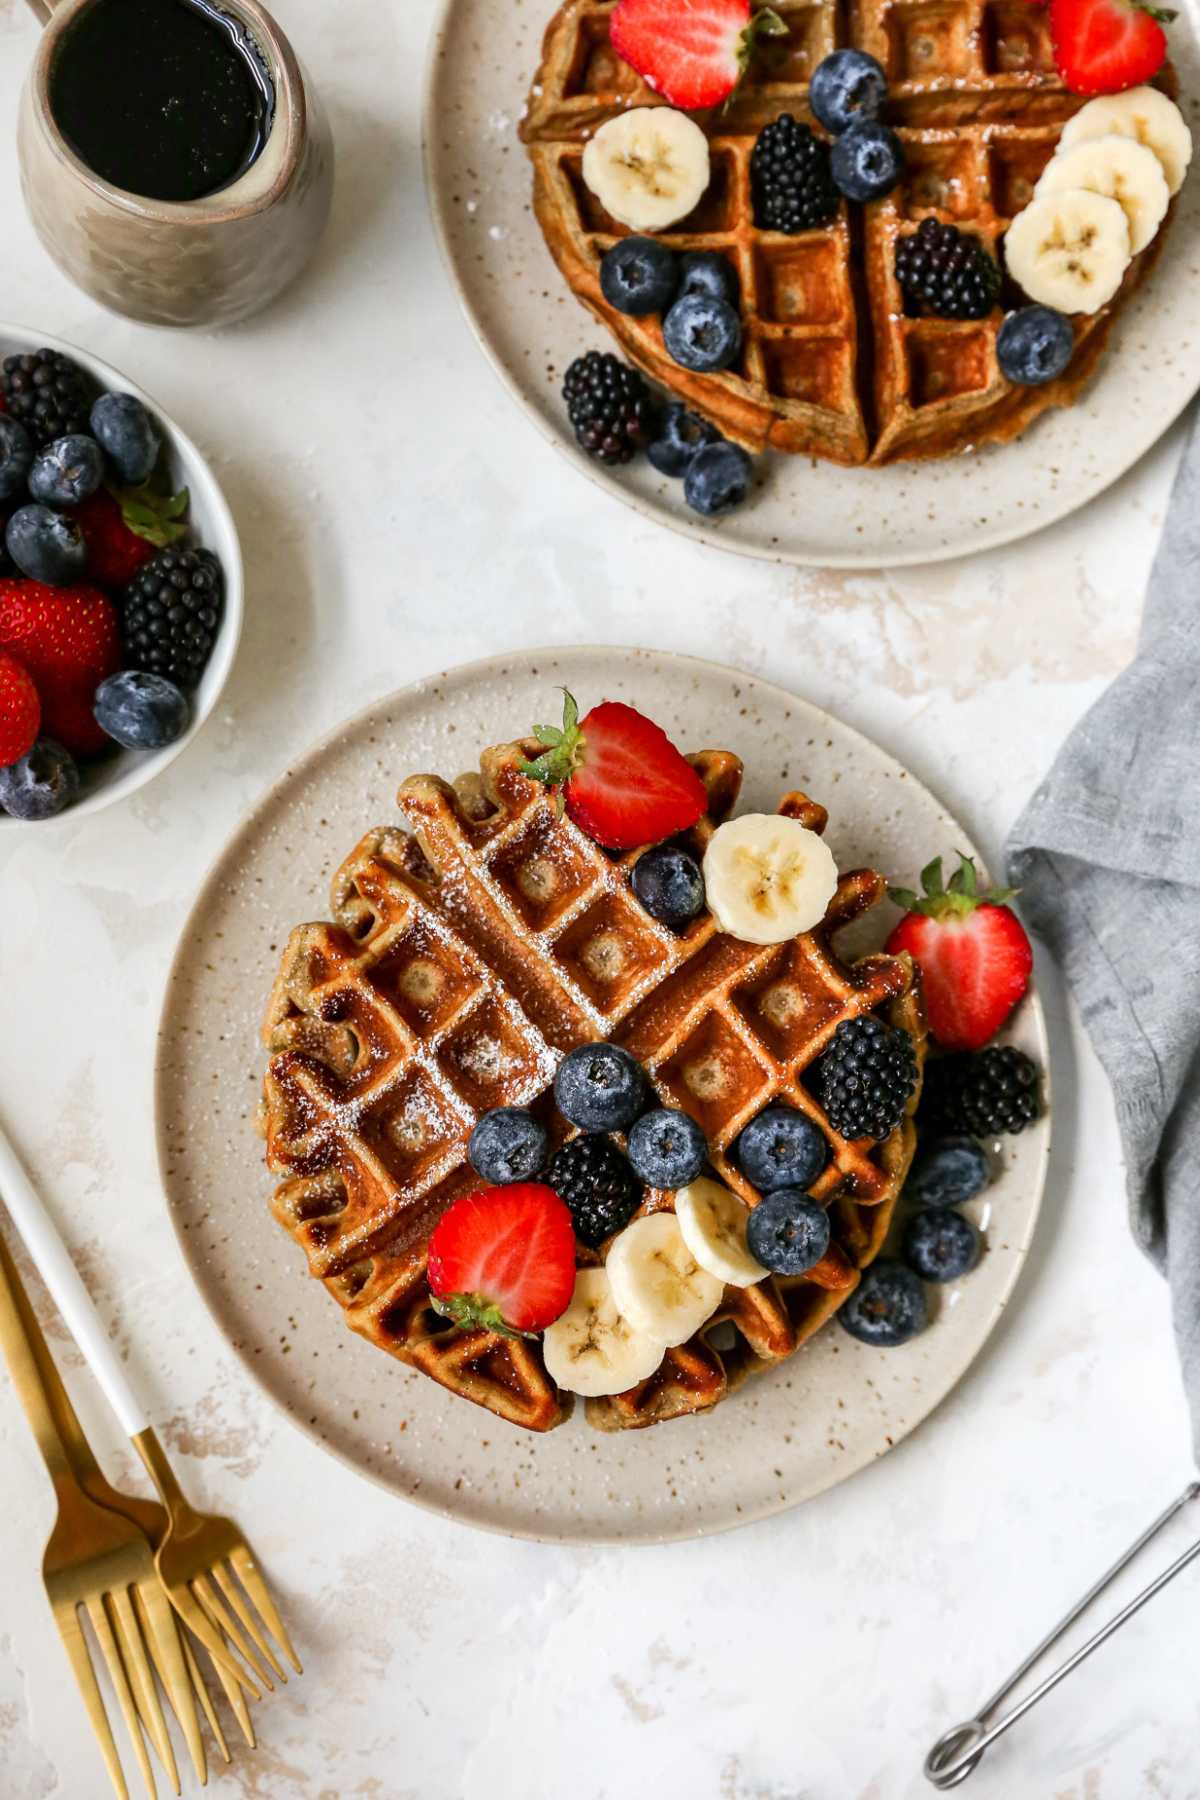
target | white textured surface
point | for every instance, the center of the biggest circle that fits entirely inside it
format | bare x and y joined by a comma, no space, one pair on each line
399,516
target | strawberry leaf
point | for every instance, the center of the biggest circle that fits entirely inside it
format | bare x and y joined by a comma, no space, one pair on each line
474,1311
149,513
956,899
564,745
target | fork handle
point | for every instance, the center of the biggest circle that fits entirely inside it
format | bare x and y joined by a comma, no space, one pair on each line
48,1251
27,1379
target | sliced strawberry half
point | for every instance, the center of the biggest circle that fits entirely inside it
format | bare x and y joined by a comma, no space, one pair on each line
623,781
1106,46
694,53
504,1258
972,950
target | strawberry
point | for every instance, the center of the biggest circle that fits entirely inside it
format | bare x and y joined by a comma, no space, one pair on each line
624,782
20,710
974,956
694,55
67,639
504,1258
123,527
1105,46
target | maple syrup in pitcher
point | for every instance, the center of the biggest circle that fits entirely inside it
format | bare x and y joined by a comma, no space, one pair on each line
169,99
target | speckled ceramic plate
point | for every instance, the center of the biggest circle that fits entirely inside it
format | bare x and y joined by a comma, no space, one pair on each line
789,1432
483,56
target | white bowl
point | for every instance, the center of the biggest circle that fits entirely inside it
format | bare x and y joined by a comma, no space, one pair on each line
114,777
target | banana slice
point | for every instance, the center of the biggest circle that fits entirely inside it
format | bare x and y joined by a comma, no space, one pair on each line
713,1224
591,1348
656,1281
1142,113
648,167
1069,250
767,878
1120,168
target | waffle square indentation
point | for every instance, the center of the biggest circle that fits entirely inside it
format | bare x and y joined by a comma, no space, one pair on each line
1016,39
927,43
492,1058
542,872
411,1128
596,68
814,370
945,365
425,978
1016,164
608,951
714,1076
939,178
801,284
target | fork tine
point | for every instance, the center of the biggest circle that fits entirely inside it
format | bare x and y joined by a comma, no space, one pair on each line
211,1601
243,1561
234,1693
161,1635
232,1593
205,1699
75,1645
98,1614
145,1695
197,1622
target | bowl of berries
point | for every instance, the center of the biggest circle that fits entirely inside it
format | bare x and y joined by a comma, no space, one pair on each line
121,585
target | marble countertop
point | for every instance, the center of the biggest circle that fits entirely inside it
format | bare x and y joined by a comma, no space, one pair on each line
399,516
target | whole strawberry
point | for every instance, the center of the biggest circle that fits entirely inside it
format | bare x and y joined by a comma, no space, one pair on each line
20,710
622,780
123,529
972,950
67,638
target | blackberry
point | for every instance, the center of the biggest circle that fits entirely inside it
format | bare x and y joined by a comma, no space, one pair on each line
48,394
865,1078
597,1184
790,178
171,614
982,1095
610,407
944,273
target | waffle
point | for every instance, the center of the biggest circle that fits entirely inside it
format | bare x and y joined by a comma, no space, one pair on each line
468,952
830,364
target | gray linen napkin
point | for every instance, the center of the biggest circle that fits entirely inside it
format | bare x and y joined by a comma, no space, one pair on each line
1107,855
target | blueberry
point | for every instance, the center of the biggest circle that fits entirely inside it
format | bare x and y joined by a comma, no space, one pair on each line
1035,344
67,472
667,1149
639,275
708,272
948,1172
847,85
781,1149
127,435
788,1232
701,333
140,710
41,784
600,1087
940,1244
867,161
680,435
46,546
16,457
669,884
888,1305
717,479
509,1144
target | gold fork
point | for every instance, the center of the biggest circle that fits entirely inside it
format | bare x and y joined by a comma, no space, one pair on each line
96,1562
202,1558
150,1518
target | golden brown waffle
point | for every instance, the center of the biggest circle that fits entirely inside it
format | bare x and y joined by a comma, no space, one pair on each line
469,951
830,365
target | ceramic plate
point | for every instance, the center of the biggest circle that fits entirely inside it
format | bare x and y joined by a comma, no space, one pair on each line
788,1433
483,56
